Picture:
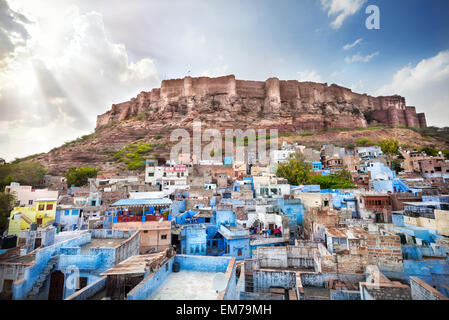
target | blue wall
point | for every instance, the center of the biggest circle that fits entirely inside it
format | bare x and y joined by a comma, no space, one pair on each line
152,283
42,257
226,217
238,244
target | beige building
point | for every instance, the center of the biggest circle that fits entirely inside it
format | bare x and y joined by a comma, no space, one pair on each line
351,163
315,200
154,236
26,196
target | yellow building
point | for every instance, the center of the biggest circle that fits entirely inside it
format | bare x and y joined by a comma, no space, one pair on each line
442,222
42,213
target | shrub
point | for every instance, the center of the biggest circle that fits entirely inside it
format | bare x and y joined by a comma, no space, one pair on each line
79,176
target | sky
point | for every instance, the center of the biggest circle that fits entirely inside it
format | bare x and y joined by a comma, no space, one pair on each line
64,62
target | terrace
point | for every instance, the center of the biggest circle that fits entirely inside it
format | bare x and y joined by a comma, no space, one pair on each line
193,280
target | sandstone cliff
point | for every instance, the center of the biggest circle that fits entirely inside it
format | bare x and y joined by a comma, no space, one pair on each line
287,105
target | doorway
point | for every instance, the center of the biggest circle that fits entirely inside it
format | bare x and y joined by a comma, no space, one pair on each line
7,289
56,291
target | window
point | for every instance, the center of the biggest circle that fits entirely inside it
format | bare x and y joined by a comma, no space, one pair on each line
239,252
30,202
66,212
151,174
164,237
41,207
49,207
145,231
82,282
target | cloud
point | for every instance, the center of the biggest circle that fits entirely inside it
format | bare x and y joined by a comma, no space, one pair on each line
13,33
312,76
360,58
221,69
342,9
352,45
52,91
424,86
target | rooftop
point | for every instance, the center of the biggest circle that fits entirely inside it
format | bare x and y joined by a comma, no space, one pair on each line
102,243
187,285
142,202
134,265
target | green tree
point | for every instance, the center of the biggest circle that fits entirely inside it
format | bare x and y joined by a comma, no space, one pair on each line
338,180
79,176
390,147
26,173
6,205
430,151
295,170
364,142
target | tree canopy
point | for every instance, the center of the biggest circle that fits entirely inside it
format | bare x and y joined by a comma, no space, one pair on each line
298,172
338,180
295,170
389,146
79,176
6,205
26,173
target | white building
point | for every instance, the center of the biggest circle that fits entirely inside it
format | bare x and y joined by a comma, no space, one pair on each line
171,174
282,155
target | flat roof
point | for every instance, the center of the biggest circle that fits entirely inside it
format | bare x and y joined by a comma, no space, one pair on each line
102,243
190,285
134,265
423,204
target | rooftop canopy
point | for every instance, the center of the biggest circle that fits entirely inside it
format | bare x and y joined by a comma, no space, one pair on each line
142,202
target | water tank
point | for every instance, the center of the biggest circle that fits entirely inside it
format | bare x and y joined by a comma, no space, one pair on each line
9,242
176,267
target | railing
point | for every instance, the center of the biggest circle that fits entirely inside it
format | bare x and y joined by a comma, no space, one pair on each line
149,217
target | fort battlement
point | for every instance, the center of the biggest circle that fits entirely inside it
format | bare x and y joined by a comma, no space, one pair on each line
273,97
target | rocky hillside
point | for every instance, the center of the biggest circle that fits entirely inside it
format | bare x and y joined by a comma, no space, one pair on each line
304,112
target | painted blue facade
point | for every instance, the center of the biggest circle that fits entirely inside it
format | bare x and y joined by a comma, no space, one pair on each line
228,161
67,218
178,206
221,236
152,282
71,256
316,165
293,210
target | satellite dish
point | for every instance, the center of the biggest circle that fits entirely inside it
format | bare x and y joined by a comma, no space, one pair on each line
220,282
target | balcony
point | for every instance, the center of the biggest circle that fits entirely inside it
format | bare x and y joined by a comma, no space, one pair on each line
148,217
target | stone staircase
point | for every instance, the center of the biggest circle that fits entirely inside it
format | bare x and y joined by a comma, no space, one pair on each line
39,284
